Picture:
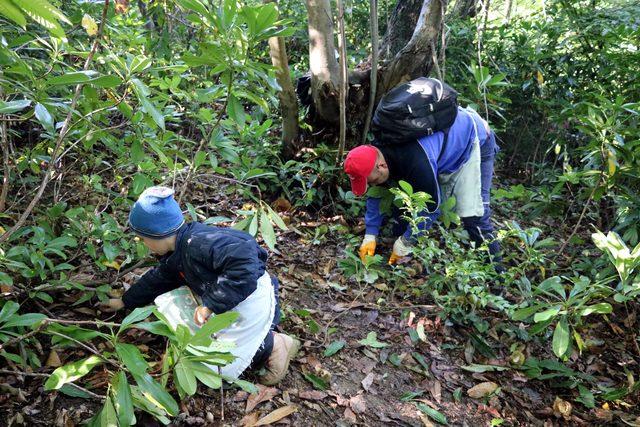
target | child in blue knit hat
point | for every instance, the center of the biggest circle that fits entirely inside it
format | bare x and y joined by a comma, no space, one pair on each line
224,268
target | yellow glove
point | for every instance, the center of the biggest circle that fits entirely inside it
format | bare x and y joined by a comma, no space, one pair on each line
201,315
111,305
368,246
401,248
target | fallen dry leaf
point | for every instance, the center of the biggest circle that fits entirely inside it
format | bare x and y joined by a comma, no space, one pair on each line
264,394
562,408
250,420
426,422
604,414
482,390
53,360
358,404
312,395
436,390
368,381
277,415
350,416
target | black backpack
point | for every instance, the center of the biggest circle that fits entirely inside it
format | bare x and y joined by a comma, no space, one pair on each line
414,109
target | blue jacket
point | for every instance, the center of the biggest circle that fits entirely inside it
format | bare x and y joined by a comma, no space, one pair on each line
421,162
221,265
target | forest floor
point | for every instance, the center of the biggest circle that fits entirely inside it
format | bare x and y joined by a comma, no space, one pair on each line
359,384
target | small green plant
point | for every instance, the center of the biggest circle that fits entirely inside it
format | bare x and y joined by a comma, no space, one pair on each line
260,219
190,358
566,307
625,261
14,327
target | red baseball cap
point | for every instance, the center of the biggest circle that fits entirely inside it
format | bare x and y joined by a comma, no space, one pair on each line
358,165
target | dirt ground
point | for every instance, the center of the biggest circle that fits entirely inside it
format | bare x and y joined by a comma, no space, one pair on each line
359,384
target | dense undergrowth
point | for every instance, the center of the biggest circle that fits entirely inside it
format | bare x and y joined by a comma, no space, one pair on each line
186,96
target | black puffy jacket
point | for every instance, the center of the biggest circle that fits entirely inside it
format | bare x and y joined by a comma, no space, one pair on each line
221,265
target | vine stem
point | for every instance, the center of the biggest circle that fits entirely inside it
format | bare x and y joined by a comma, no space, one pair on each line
55,157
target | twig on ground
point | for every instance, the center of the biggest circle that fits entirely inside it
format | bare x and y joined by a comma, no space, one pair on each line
86,347
42,375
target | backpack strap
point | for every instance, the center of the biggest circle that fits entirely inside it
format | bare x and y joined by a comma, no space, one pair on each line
444,143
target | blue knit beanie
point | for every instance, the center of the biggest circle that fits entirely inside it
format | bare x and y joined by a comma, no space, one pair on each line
156,214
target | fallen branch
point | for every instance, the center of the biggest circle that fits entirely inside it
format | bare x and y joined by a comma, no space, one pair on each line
55,158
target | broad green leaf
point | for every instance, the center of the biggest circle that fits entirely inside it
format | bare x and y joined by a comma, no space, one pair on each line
5,279
406,187
8,309
253,226
13,106
150,109
206,375
600,308
71,372
72,331
555,284
235,110
107,416
546,314
216,323
586,397
156,394
372,341
185,377
276,219
524,313
561,337
334,347
432,413
29,319
157,327
136,315
266,230
10,11
73,78
483,368
72,391
122,400
44,117
244,385
317,382
194,5
44,14
132,358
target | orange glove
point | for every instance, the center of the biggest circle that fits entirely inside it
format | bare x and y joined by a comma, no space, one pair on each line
201,315
368,246
401,248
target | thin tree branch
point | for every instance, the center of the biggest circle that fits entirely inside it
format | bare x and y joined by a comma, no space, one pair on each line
373,76
63,132
20,338
343,81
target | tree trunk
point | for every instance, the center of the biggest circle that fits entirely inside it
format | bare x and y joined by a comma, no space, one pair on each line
415,59
325,73
287,96
509,10
344,88
400,29
465,9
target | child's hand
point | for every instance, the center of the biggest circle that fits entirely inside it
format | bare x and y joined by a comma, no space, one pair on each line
112,305
201,315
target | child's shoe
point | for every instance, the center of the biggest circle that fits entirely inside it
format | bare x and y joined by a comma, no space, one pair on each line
284,349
